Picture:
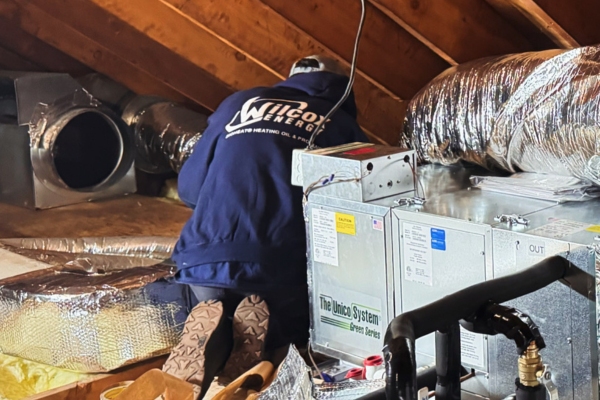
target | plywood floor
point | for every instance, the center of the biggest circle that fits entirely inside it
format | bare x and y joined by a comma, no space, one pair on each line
126,216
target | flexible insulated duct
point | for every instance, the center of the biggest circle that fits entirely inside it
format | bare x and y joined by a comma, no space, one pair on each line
165,133
536,112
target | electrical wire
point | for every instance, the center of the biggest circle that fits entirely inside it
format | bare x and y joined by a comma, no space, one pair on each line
319,126
418,181
312,360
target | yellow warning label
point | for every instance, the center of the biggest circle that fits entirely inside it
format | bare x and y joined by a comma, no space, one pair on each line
594,228
344,223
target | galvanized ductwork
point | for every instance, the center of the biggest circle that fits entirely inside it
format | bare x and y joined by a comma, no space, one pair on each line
536,112
59,145
165,133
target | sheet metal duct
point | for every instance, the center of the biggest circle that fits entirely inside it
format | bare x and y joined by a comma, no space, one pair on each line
537,112
165,133
59,145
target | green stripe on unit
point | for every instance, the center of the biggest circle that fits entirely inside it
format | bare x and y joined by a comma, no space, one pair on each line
339,324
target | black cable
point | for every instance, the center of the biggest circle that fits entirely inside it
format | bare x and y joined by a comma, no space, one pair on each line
319,126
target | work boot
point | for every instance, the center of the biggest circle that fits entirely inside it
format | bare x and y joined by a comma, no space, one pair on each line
204,326
250,324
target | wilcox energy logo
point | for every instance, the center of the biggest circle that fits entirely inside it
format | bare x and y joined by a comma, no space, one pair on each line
353,317
287,112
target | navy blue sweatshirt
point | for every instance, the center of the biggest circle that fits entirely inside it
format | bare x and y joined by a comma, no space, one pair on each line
247,230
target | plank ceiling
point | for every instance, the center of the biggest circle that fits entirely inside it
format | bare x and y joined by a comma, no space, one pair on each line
200,51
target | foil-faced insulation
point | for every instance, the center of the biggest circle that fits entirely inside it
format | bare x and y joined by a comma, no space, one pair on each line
535,112
91,312
165,133
293,381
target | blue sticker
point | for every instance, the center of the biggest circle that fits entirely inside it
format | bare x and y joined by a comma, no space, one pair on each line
438,234
438,244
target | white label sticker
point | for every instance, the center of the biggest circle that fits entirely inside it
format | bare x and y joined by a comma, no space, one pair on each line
324,237
423,393
472,348
559,228
416,246
351,317
536,248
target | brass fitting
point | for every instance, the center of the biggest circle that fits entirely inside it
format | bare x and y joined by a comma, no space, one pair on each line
530,366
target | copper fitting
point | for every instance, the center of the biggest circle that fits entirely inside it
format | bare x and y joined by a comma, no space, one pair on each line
530,366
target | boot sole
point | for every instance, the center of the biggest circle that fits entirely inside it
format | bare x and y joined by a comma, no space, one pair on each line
187,359
250,324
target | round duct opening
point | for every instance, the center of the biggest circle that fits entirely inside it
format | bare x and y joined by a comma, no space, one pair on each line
87,150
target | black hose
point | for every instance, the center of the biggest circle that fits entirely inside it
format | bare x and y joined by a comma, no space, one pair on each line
425,378
447,363
403,331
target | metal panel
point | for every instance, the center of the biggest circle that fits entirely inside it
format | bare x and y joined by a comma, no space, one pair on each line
16,175
478,206
359,281
374,172
463,261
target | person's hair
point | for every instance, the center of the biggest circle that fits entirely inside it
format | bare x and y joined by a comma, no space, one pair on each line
316,63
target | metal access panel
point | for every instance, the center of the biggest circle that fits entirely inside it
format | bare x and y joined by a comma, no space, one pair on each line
443,247
350,267
437,256
566,315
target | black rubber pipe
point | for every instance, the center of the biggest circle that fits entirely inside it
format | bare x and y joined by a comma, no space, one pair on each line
403,331
447,363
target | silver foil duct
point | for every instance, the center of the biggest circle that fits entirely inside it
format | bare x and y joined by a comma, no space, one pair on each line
91,312
293,380
349,390
536,112
165,133
149,247
450,118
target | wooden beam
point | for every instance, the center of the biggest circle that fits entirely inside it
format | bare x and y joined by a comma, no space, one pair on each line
31,48
48,29
136,46
524,12
457,30
177,44
388,53
14,62
577,17
263,34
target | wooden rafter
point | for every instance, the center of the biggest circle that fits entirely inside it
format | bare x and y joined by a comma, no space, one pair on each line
456,30
264,35
528,10
137,48
388,53
31,48
579,18
12,61
37,23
